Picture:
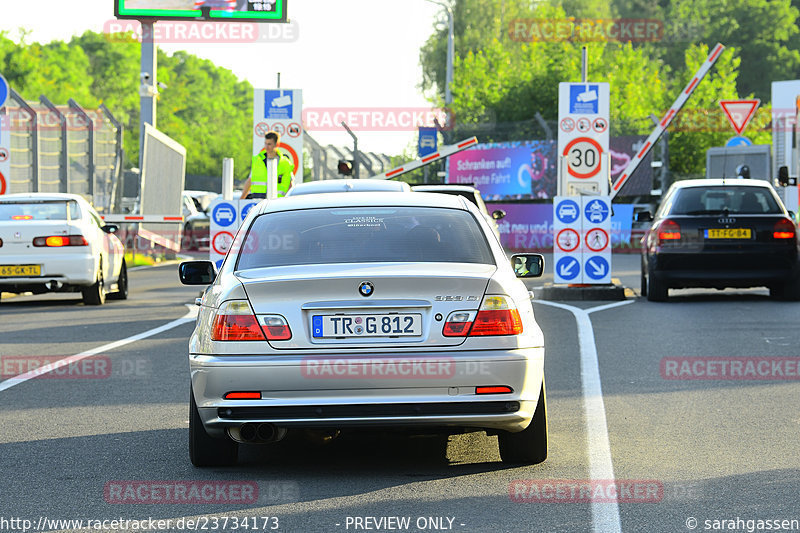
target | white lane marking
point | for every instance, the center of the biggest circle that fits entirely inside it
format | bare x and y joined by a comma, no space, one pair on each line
22,378
605,516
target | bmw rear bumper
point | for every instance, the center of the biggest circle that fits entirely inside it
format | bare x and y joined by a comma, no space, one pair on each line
405,389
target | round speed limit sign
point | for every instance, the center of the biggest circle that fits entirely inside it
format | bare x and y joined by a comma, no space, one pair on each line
583,157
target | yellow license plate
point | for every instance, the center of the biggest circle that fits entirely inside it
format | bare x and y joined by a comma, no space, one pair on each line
20,270
728,233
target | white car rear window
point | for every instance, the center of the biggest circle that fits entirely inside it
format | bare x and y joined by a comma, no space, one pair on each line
39,210
364,235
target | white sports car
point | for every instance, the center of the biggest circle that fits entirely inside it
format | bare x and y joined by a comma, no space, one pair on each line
55,242
356,309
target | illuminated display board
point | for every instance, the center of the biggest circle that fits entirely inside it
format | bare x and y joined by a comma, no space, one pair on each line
219,10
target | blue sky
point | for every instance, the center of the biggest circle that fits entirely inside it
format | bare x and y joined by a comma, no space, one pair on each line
381,37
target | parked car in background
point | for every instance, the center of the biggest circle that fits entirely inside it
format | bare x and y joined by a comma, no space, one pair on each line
54,242
365,309
720,233
196,222
470,193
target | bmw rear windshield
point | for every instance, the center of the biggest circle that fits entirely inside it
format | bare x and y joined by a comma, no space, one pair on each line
364,235
718,199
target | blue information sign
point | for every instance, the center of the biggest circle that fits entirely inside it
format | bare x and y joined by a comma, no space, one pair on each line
568,268
596,211
224,214
568,211
596,267
428,141
3,91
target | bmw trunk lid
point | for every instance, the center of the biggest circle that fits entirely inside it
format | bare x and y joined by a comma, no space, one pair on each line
367,305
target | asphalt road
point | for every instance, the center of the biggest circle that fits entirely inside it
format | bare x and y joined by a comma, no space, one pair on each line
714,449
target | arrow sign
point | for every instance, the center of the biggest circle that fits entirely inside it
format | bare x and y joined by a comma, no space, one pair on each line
597,268
739,112
568,268
3,91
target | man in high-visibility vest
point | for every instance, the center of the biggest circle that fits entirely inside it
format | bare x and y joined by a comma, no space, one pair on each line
256,184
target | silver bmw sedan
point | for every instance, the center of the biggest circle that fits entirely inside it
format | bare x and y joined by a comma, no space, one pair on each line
338,310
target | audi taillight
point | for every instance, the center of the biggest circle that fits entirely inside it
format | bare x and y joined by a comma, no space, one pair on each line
669,230
783,229
497,316
235,321
56,241
275,327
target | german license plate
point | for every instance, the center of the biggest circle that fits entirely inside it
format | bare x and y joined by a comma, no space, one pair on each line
8,271
728,233
391,325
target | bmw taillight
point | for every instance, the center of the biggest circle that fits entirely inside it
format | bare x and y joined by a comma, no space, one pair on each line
275,327
55,241
497,316
458,323
669,230
783,229
235,321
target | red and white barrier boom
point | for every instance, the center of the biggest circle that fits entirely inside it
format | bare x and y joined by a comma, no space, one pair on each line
417,163
665,122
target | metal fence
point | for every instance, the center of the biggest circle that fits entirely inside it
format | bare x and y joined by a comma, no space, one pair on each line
64,148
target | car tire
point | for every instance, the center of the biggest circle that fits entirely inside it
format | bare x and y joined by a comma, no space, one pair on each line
95,294
643,282
122,285
205,450
789,291
657,291
528,446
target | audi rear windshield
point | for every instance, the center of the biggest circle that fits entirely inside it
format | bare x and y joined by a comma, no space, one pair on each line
730,199
38,210
364,235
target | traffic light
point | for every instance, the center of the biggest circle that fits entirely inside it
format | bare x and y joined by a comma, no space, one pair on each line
345,167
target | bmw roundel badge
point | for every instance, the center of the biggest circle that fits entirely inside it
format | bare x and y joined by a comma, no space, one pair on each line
366,288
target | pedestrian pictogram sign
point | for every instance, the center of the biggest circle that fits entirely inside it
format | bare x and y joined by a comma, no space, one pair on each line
568,240
740,112
221,242
583,157
597,239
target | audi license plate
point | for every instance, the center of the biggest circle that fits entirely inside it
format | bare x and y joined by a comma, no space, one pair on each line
391,325
728,233
8,271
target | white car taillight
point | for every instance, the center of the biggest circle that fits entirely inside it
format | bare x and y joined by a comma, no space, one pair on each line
55,241
458,323
235,321
497,316
275,327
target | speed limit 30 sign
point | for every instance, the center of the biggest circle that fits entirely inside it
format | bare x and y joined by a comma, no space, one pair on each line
583,156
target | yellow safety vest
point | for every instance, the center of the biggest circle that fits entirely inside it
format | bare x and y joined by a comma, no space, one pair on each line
258,179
